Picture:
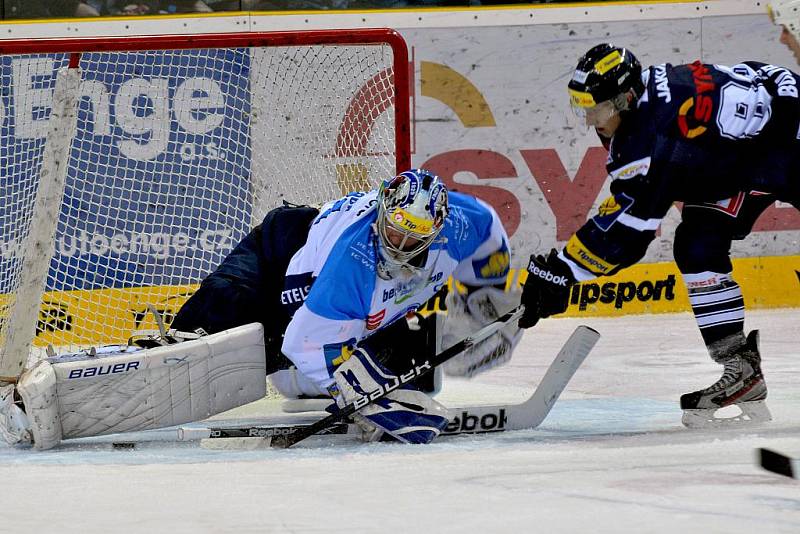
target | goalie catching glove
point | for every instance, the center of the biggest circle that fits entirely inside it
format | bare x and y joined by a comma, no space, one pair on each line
469,312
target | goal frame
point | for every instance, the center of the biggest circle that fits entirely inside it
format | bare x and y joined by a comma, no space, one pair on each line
13,358
76,46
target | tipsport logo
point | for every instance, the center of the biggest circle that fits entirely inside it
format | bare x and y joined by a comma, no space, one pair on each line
619,294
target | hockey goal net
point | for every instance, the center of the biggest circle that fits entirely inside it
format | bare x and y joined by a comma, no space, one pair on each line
131,166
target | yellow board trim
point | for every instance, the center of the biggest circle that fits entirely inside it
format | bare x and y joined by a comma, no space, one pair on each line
105,316
766,282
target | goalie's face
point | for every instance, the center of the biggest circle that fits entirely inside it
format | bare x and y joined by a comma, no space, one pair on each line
412,209
401,241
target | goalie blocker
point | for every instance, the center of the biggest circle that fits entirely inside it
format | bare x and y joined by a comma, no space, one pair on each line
124,389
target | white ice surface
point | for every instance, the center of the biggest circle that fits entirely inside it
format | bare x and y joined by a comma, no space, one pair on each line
612,457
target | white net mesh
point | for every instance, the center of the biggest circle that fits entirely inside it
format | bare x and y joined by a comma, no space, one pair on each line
176,155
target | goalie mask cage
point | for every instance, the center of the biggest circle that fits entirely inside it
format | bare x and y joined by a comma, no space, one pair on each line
131,166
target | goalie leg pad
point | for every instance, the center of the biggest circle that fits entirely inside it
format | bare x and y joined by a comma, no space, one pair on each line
407,414
125,389
293,384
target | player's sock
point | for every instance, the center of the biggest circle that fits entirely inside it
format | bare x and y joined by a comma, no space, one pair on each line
718,307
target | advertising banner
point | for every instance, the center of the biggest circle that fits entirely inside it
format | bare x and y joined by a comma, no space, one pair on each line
490,115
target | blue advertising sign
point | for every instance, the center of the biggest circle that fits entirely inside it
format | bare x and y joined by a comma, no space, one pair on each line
158,181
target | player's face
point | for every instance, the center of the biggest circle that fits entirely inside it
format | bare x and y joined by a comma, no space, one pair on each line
607,127
396,238
789,40
604,117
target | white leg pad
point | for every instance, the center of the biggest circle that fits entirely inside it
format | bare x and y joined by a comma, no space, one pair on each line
292,384
154,388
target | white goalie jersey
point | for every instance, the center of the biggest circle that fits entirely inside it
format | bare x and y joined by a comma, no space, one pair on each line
338,297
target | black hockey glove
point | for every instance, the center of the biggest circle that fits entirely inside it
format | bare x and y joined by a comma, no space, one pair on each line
407,339
406,342
546,291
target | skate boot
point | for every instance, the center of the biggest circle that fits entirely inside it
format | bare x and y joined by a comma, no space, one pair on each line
741,384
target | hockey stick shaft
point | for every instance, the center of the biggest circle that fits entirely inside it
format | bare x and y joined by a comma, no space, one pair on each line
423,369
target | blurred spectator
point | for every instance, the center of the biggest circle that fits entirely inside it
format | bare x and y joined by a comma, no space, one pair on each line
35,9
227,5
129,7
152,7
184,6
138,8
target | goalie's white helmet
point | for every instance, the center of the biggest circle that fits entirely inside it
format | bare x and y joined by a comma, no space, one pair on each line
412,208
786,13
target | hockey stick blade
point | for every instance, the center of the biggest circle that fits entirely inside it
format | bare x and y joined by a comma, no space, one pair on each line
778,463
534,410
464,420
413,374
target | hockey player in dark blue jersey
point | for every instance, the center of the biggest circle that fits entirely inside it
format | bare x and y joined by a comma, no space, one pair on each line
721,139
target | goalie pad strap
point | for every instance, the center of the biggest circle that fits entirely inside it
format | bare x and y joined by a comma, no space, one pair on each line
131,390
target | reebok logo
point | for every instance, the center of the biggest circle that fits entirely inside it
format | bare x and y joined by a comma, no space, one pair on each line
547,275
466,422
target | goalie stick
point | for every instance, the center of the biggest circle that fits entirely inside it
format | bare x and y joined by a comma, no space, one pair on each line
466,420
779,463
287,440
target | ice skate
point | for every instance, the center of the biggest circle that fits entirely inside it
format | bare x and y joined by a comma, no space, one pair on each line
741,385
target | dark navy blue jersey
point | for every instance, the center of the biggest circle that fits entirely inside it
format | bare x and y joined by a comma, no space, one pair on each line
699,133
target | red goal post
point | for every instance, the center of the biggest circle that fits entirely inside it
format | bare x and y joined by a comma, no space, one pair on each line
132,165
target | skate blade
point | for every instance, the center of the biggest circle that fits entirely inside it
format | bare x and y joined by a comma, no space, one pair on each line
750,413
